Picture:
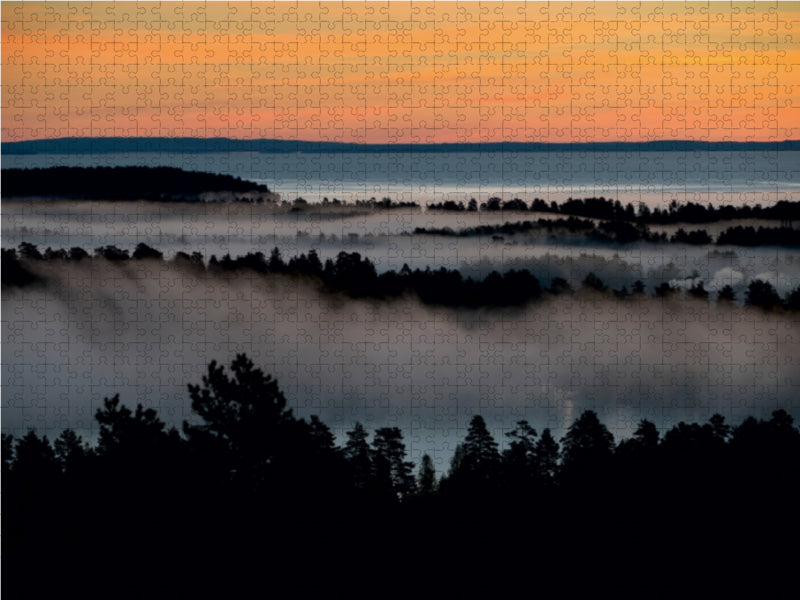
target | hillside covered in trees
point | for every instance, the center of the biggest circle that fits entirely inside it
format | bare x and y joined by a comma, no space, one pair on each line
124,183
246,487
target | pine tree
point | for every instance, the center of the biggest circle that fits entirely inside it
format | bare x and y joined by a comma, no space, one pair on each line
587,447
391,471
426,479
476,463
547,457
519,459
247,426
480,449
357,455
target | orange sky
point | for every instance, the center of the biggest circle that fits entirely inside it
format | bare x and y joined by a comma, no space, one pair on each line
407,72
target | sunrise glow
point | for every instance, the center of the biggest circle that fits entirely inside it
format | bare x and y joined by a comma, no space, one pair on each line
403,72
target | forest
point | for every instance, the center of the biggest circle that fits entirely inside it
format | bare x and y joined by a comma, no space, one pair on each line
246,487
356,277
623,232
123,183
170,184
613,210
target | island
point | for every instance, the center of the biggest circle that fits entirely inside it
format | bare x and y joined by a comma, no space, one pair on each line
161,184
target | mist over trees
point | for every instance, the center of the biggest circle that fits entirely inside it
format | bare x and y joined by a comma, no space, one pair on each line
357,277
623,232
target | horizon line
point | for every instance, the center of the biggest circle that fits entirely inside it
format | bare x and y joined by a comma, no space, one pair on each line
103,144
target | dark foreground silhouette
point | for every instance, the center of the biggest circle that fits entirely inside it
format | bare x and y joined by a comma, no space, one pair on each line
357,277
250,495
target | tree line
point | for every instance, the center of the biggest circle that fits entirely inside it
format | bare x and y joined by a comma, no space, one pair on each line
246,438
623,232
356,276
612,210
246,474
247,487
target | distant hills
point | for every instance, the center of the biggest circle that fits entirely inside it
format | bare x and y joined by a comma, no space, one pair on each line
188,145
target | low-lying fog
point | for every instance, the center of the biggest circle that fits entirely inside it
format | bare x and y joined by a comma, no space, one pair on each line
240,228
145,329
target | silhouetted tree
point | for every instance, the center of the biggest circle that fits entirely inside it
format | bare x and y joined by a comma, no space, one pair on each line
13,271
58,254
519,459
70,451
559,285
698,237
321,435
457,460
357,454
136,455
77,253
426,478
792,301
664,289
480,449
275,263
144,251
111,253
391,471
726,294
122,429
766,457
587,448
637,462
718,426
547,457
475,466
246,418
29,251
7,452
316,466
34,460
592,281
698,291
761,293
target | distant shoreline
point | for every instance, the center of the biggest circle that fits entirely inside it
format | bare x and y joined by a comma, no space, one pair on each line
189,145
163,184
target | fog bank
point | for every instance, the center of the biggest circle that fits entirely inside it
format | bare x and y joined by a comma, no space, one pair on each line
145,329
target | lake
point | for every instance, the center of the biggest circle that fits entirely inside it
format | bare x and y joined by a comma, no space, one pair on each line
656,178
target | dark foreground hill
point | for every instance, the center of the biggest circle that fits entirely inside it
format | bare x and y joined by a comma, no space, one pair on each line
251,498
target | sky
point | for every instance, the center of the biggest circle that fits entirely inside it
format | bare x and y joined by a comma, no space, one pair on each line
418,72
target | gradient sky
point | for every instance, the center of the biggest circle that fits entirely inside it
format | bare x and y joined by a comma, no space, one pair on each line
381,72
